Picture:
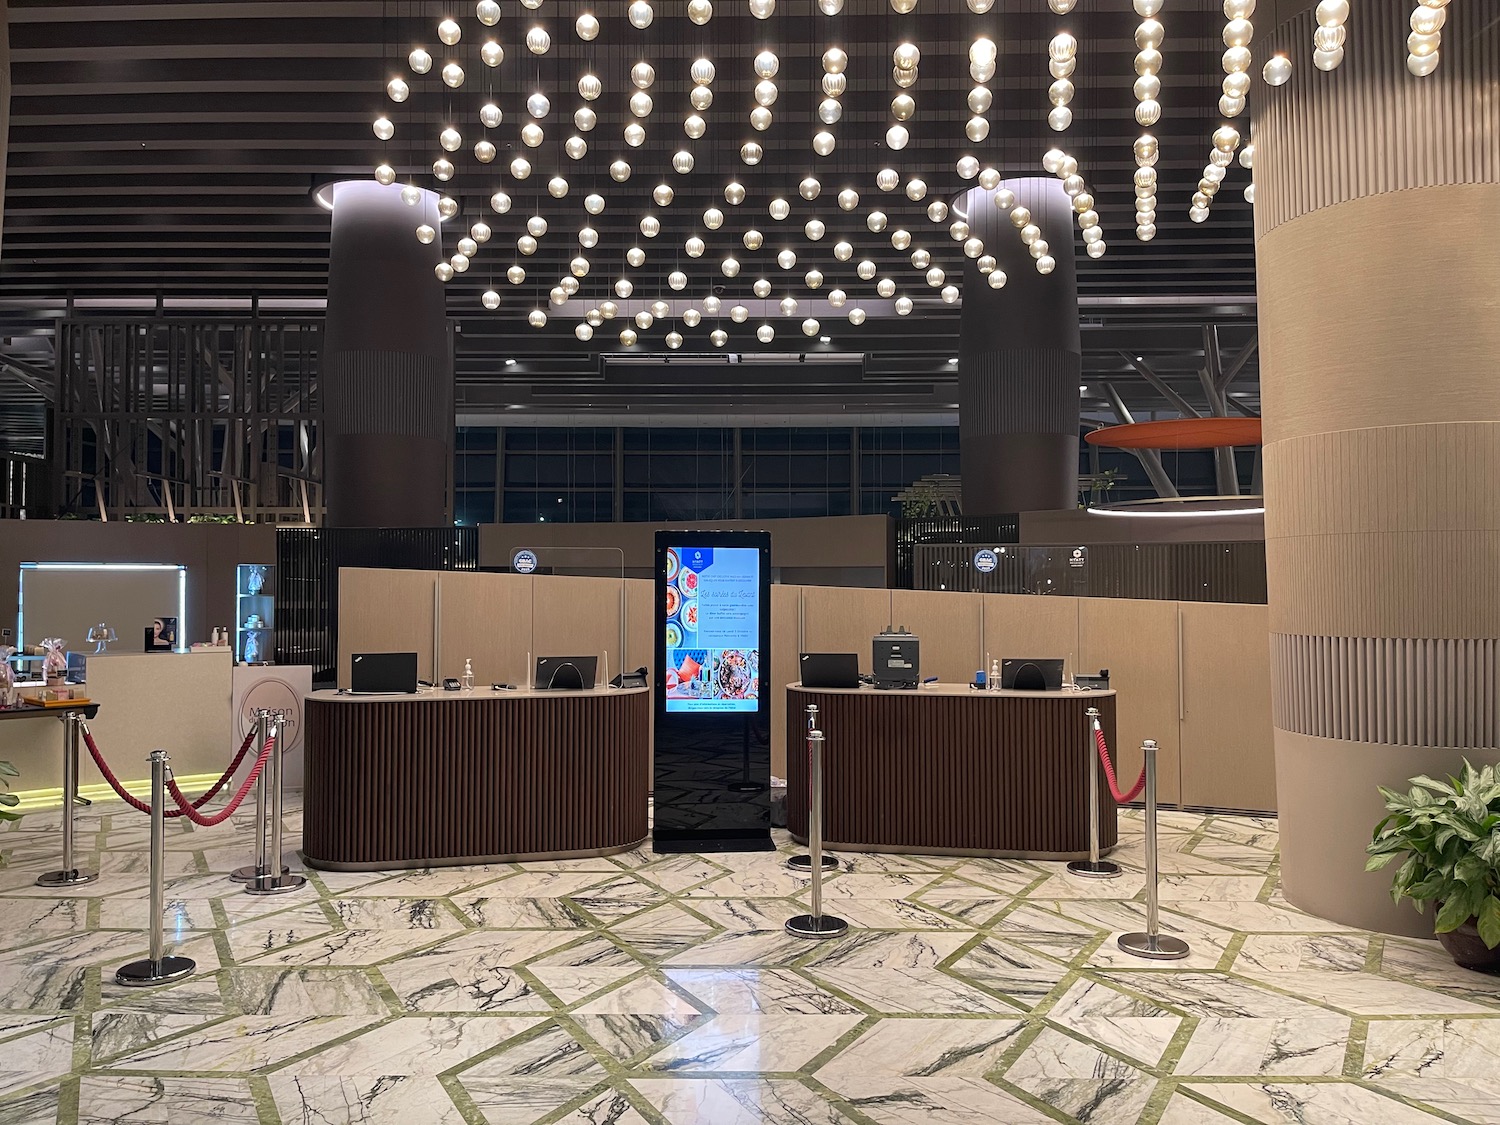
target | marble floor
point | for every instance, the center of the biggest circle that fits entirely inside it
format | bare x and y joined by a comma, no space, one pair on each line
645,988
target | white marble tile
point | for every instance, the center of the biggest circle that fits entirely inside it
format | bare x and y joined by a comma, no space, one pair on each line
912,991
1365,994
1008,876
1320,1103
758,991
241,1044
1217,994
626,1035
1128,1024
923,1048
393,914
862,888
550,1053
29,921
904,914
1230,1047
109,1099
644,995
1080,1080
1183,1110
661,931
36,1057
678,873
303,992
279,933
1289,953
1428,964
1256,917
306,1099
416,1045
474,972
873,949
437,881
1432,1048
37,1107
349,947
509,1101
767,949
928,1101
582,969
745,915
1008,967
523,913
751,1043
737,1101
1475,1098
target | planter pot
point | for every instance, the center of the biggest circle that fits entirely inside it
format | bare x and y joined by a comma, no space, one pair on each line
1468,950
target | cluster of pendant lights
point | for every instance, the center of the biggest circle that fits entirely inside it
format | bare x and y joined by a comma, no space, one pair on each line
1423,45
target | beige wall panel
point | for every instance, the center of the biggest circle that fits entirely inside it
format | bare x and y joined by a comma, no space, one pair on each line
1137,641
1228,760
177,702
577,617
1321,336
385,611
786,611
1029,625
948,625
843,620
486,618
640,618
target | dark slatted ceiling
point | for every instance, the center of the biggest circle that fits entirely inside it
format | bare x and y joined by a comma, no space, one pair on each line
169,149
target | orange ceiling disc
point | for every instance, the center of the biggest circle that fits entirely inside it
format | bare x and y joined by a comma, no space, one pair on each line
1179,433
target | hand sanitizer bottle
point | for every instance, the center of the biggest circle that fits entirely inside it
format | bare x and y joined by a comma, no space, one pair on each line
994,677
468,680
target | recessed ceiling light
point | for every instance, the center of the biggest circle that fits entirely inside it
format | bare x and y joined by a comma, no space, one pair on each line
954,360
510,363
1083,390
825,339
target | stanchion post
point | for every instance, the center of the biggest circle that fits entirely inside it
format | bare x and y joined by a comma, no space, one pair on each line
70,875
1152,944
268,883
803,861
1093,867
157,968
262,864
817,924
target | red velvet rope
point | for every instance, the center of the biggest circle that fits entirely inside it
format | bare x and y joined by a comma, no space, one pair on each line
234,765
142,806
189,809
1109,771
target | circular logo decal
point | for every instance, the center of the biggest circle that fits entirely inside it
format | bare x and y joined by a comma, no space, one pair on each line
523,562
985,561
282,700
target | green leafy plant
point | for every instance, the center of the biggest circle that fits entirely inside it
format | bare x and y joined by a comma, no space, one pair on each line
8,800
1449,832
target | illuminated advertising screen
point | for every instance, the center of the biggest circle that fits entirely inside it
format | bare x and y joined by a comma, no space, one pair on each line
713,619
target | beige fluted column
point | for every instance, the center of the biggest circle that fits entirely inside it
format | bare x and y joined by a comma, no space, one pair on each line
1380,369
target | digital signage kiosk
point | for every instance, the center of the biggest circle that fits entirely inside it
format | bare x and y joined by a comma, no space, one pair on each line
712,691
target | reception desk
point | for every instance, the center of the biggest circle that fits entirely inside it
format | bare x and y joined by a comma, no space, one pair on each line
446,778
951,771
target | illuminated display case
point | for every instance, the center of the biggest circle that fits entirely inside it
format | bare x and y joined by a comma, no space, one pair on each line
255,613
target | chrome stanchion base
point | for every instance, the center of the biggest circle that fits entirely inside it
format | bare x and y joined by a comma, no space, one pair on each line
746,786
1088,869
65,878
265,885
145,973
249,873
1154,947
805,925
804,863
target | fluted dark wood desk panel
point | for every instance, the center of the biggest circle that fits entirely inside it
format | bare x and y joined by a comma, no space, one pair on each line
948,770
429,781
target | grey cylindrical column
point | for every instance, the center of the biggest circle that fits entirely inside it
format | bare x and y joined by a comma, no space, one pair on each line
387,370
1019,360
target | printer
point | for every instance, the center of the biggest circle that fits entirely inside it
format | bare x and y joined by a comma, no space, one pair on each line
896,659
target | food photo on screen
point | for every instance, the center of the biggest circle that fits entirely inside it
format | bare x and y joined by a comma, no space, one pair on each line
712,629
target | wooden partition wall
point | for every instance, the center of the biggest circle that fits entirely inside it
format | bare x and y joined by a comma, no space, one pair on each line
1194,676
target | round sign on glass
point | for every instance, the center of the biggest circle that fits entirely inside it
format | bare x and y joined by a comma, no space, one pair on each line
523,562
985,561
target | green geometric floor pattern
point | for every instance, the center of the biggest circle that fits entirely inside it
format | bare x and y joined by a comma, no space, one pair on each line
662,989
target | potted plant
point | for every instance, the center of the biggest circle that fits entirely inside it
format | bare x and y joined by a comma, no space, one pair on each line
1449,832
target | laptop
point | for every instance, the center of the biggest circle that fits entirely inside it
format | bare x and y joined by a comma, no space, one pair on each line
383,673
566,673
830,669
1031,675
